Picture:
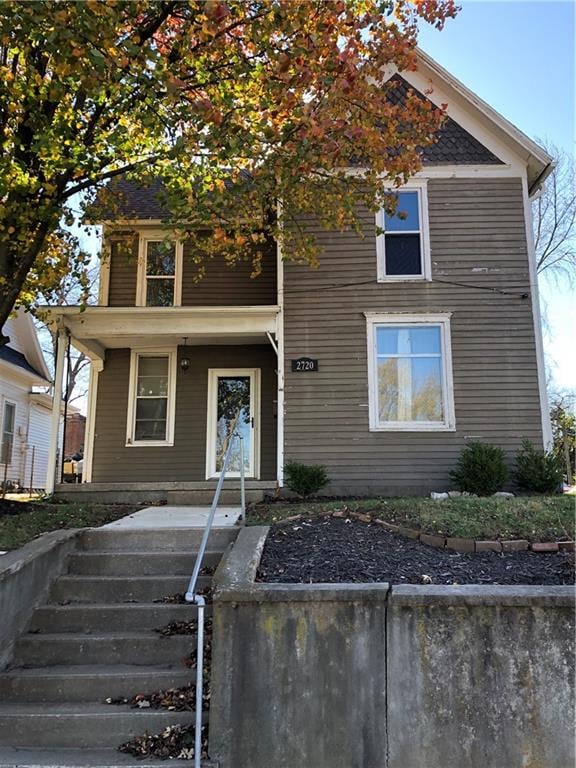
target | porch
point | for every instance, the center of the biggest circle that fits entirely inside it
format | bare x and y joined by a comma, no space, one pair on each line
167,388
169,493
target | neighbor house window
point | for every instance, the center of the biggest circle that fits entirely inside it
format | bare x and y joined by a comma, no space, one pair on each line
410,372
159,272
8,427
151,406
403,249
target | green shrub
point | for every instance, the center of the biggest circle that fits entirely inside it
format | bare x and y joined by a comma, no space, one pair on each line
537,471
480,469
305,479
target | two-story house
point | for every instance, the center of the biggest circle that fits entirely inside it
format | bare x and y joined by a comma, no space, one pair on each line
380,365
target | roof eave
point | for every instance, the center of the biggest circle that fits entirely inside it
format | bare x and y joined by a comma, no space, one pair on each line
538,162
31,377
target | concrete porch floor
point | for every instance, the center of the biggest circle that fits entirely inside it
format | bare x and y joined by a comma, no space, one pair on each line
175,517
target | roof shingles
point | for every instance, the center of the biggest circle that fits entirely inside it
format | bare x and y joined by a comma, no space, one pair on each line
455,146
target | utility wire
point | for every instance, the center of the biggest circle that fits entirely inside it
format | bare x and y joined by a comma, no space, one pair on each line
338,286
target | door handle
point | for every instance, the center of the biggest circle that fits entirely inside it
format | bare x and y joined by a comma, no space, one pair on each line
252,422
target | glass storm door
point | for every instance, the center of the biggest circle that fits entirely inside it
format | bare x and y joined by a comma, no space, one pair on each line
232,410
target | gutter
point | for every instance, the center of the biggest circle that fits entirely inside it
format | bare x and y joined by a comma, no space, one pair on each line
537,185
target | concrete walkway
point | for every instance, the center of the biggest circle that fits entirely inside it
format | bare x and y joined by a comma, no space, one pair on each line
175,517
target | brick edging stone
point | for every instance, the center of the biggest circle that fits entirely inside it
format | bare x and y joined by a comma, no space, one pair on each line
454,543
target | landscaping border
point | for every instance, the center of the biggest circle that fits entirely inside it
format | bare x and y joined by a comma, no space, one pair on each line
457,544
341,675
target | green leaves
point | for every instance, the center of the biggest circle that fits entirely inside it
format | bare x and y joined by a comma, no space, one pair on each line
195,92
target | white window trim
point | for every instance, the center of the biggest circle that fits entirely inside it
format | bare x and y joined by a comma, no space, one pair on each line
373,320
144,239
6,402
421,187
135,355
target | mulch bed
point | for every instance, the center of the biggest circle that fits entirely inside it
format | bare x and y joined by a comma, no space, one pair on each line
335,550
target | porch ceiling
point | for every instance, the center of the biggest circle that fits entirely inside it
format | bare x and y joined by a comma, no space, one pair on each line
99,328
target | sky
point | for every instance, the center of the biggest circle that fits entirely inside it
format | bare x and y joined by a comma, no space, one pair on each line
518,55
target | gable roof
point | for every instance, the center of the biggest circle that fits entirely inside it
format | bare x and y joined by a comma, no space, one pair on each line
140,201
12,356
24,351
538,162
454,144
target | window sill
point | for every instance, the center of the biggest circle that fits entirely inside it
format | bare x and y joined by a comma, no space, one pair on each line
150,444
415,428
405,279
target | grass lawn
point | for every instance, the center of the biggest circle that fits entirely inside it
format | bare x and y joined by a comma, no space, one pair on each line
17,528
536,518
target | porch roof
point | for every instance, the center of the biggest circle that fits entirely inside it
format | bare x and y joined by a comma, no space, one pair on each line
95,329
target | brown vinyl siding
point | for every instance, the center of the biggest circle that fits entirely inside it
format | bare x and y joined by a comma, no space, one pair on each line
224,285
477,237
123,271
186,460
221,285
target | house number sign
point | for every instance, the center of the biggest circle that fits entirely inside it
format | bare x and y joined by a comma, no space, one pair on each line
304,364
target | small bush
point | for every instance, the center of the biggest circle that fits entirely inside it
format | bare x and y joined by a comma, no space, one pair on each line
305,479
537,471
480,469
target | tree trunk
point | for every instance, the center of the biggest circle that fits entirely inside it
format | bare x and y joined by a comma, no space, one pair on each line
566,446
15,266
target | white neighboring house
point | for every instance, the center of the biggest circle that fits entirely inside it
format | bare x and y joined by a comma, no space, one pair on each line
25,405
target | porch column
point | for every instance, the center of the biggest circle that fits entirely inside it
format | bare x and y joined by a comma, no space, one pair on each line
96,367
56,411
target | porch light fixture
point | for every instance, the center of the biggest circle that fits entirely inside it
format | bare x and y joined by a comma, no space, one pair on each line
184,361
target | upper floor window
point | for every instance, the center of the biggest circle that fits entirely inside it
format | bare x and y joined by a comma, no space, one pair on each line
159,272
403,248
8,428
410,372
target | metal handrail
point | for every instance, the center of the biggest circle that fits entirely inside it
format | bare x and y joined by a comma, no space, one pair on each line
198,600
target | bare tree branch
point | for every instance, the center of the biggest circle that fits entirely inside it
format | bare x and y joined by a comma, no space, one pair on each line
554,214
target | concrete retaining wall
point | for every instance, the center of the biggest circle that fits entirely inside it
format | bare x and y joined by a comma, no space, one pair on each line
480,676
367,676
25,578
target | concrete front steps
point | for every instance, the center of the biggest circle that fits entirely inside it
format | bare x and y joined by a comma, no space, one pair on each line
95,639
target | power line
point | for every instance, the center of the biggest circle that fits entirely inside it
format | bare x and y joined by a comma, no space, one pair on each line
337,286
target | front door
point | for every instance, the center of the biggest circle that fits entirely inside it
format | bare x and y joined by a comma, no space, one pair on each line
233,409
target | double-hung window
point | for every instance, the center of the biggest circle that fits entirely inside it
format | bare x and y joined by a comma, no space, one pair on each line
159,272
402,245
410,372
8,428
152,394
